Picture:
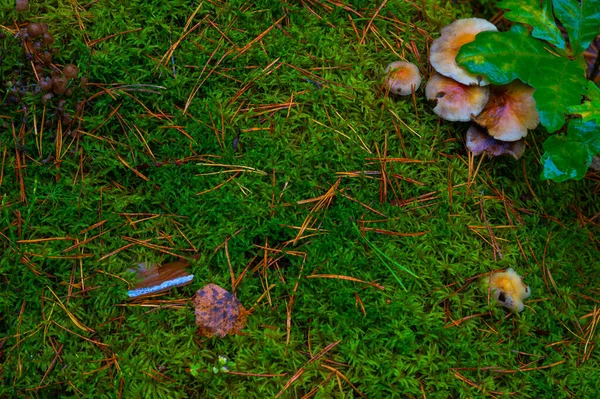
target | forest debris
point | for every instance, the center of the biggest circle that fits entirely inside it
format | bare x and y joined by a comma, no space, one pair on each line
218,312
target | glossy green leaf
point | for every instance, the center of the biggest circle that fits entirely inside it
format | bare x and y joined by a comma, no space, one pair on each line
587,133
538,15
568,157
505,56
581,19
564,160
559,83
589,110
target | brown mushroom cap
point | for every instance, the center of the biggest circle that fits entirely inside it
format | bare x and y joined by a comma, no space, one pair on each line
509,112
402,78
35,29
22,5
70,71
455,101
479,141
445,48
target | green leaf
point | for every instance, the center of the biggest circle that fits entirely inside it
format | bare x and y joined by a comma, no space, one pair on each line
536,14
582,21
587,133
568,157
559,83
505,56
589,110
564,160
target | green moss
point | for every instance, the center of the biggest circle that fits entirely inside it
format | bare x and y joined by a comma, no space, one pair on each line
404,343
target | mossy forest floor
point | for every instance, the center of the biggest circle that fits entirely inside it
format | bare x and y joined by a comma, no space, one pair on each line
257,134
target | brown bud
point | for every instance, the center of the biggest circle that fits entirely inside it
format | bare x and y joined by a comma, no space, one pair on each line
35,29
45,98
46,84
22,5
70,71
59,85
46,57
48,38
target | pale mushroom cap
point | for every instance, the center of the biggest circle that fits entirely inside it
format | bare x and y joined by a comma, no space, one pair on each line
444,49
455,101
478,141
509,290
509,112
402,78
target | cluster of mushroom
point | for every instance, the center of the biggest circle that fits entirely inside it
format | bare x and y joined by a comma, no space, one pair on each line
46,78
37,41
502,115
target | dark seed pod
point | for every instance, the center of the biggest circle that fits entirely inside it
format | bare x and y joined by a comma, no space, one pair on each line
45,98
22,33
46,84
46,57
60,107
35,29
39,68
22,5
69,92
59,85
70,71
48,39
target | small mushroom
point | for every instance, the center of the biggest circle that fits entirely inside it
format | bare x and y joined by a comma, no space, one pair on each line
402,78
508,290
35,29
47,38
59,85
22,5
46,57
70,71
479,141
445,48
45,84
509,112
455,101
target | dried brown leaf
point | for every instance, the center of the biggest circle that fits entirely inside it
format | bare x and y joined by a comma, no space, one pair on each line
218,312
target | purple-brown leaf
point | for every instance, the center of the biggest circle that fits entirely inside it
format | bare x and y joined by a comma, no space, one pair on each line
218,312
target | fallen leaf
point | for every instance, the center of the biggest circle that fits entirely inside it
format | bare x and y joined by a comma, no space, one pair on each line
218,312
